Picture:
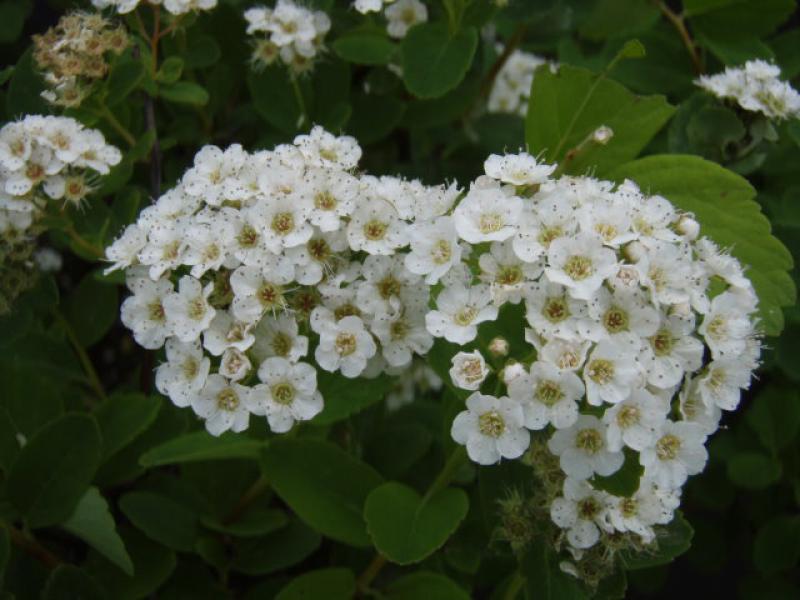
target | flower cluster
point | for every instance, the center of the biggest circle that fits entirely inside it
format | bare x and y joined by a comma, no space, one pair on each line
636,352
72,55
289,31
255,264
512,87
46,157
401,15
755,87
175,7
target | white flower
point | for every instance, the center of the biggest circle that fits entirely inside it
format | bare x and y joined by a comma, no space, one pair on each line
344,345
580,263
552,218
723,381
679,451
123,252
333,195
694,409
567,356
404,14
547,395
672,351
144,312
279,336
402,335
487,214
583,449
491,429
459,310
164,249
317,257
666,271
609,220
554,313
207,243
506,273
612,370
366,6
469,370
581,511
434,249
623,312
213,167
226,332
223,405
185,372
387,281
288,394
257,291
726,328
321,149
635,421
285,221
188,311
649,505
376,229
517,169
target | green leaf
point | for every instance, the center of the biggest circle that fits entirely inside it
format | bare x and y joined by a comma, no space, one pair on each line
202,51
544,579
738,50
170,70
374,117
30,400
671,541
184,92
434,61
200,445
566,107
343,398
407,528
12,15
257,521
161,519
71,583
365,48
625,482
775,417
274,98
777,544
53,470
323,584
753,470
123,80
324,485
91,309
731,18
396,448
123,417
25,89
615,18
724,204
268,554
427,585
93,523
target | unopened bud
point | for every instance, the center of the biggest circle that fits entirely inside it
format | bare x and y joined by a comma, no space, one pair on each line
682,309
688,228
602,135
498,347
634,252
511,371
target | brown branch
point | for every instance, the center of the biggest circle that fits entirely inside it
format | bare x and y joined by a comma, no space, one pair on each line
679,22
32,547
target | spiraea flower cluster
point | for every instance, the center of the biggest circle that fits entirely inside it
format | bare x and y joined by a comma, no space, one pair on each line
756,87
73,55
259,269
636,352
289,32
175,7
401,15
512,87
45,158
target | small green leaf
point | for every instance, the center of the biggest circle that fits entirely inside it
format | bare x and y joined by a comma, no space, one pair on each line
184,92
407,528
435,61
775,417
427,585
93,523
123,80
12,15
67,582
323,584
343,398
671,541
257,521
202,51
632,49
324,485
274,99
365,48
161,519
279,550
170,70
777,544
53,470
753,470
200,445
374,117
25,89
123,417
91,309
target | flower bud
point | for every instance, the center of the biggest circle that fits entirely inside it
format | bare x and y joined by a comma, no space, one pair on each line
511,371
688,227
469,370
634,251
498,347
602,135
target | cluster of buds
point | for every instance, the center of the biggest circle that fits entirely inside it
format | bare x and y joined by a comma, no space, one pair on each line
74,54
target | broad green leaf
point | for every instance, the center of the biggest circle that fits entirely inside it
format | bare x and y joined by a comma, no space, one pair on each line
123,80
202,51
730,18
123,417
724,204
279,550
625,481
274,98
753,470
434,60
152,565
91,309
365,48
374,117
329,104
736,51
567,106
407,528
323,584
25,89
616,18
30,399
777,544
93,523
544,579
671,541
67,582
257,521
200,445
324,485
440,111
161,519
184,92
170,70
427,585
397,447
775,417
343,398
53,470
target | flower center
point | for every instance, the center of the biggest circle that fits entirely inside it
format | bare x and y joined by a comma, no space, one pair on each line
328,154
270,295
588,508
717,329
491,424
190,368
601,371
667,447
248,236
441,252
155,312
227,399
345,343
388,287
628,507
589,440
472,370
325,201
319,249
548,234
283,393
662,342
490,223
568,360
346,310
197,308
548,392
606,231
281,344
628,416
509,275
34,172
578,267
465,316
375,230
398,330
615,320
283,223
555,310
